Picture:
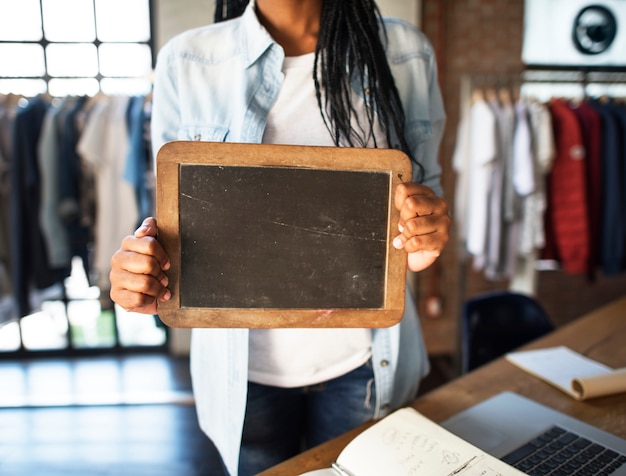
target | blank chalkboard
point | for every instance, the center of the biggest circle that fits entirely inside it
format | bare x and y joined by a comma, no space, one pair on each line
268,236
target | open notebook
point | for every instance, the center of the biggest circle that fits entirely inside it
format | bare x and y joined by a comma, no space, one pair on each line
407,443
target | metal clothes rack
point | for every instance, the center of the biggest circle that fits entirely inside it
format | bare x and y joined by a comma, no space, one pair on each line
560,81
576,82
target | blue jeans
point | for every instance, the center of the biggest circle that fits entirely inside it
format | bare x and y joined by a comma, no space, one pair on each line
282,422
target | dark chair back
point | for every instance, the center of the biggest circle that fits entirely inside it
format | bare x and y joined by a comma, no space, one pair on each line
495,323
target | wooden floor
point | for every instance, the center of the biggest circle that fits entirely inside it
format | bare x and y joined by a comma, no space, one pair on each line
99,416
104,416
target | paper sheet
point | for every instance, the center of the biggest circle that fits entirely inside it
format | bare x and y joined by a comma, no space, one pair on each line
571,372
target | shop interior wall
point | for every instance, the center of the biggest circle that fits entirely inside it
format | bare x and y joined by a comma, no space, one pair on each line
484,37
175,16
470,37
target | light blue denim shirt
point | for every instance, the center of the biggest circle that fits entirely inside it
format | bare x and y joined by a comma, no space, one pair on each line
217,83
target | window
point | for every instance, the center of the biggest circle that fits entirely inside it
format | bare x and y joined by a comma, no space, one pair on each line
75,47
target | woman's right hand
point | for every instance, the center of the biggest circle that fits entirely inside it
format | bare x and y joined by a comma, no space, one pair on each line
138,279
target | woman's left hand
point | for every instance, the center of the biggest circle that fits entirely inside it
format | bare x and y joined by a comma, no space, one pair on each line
424,224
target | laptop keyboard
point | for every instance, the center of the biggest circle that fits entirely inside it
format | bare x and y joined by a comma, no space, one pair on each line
559,452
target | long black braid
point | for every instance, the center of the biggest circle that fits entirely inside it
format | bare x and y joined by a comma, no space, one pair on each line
349,42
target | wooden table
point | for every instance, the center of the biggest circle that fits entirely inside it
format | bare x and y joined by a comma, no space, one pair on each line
599,335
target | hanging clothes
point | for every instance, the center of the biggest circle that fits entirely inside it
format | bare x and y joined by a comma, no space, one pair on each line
138,170
8,107
31,267
531,237
552,188
502,202
64,170
477,167
568,215
56,237
591,129
613,231
104,146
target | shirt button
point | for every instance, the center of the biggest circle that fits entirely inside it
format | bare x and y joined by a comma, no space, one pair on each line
384,363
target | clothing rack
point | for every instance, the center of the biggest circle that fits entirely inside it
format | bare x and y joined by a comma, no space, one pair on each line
575,83
540,84
547,82
80,239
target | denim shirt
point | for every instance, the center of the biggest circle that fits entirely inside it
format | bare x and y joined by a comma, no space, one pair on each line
217,83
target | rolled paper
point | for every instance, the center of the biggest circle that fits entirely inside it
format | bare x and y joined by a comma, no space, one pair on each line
600,385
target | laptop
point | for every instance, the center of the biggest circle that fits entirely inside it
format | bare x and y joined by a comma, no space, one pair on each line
532,437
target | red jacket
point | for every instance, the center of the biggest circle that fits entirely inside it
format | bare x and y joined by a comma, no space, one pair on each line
568,212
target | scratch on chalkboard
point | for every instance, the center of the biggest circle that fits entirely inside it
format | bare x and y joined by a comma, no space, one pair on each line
191,197
322,232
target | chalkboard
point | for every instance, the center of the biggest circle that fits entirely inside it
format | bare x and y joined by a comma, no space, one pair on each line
267,236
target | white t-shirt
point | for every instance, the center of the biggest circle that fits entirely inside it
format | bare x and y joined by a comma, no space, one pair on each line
298,357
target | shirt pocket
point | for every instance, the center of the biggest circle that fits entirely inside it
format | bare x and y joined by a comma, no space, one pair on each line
203,133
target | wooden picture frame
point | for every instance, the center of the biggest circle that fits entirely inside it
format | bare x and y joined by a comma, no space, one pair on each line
274,236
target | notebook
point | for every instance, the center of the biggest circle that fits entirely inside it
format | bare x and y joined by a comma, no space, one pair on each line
509,426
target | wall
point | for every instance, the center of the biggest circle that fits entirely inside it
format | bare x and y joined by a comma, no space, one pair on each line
175,16
485,37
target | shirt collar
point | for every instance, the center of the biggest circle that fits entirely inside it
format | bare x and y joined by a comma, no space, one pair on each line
255,39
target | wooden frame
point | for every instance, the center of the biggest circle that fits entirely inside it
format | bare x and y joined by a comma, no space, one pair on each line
183,235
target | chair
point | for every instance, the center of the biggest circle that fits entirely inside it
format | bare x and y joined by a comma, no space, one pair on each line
497,322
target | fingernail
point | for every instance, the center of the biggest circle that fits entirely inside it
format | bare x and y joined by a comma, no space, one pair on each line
164,282
166,266
401,228
397,243
167,295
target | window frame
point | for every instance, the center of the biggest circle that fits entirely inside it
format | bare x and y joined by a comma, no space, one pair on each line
43,43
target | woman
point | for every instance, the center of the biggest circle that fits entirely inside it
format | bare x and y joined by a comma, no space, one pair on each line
307,72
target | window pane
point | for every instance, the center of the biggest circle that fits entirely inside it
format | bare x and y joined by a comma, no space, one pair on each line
9,337
73,87
139,329
123,20
125,86
61,26
25,87
18,59
125,60
90,326
20,20
72,59
46,329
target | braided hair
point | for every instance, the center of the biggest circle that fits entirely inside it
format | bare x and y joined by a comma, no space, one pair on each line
349,44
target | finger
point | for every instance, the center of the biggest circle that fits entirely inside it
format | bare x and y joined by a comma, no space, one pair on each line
424,225
137,263
422,206
147,228
432,242
137,292
431,232
421,260
147,246
427,241
145,284
134,302
410,189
